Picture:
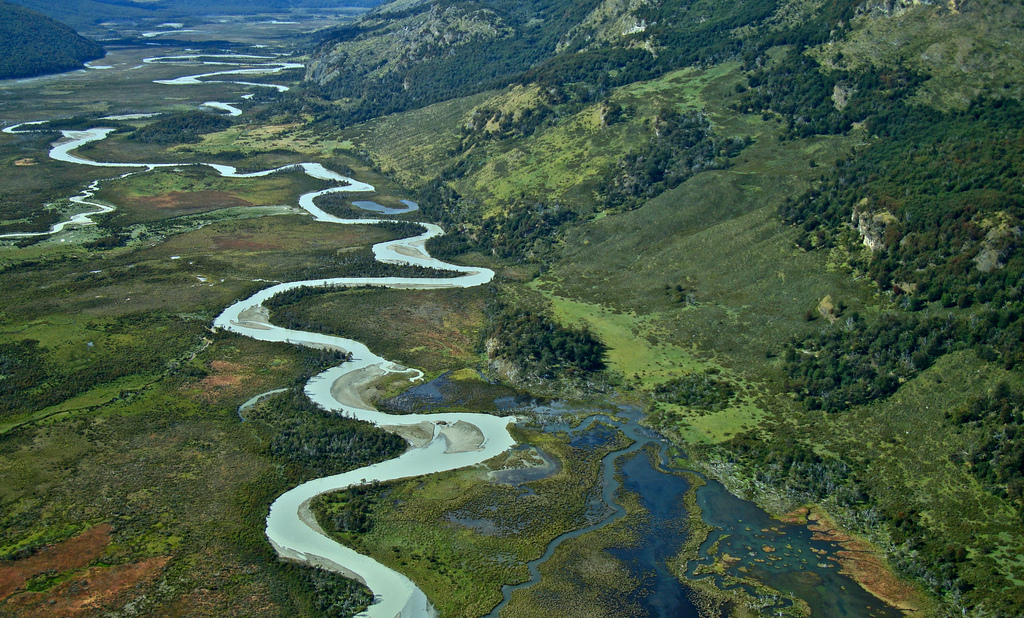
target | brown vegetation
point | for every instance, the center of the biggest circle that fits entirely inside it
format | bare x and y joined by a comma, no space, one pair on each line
74,553
177,203
865,565
96,588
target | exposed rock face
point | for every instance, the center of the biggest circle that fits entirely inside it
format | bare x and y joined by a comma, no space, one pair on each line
841,94
872,226
828,309
1002,235
507,369
610,21
894,8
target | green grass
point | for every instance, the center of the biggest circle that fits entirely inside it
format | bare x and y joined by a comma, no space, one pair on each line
976,51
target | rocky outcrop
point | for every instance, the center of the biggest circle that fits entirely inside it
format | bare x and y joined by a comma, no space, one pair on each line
872,226
611,21
1003,232
382,45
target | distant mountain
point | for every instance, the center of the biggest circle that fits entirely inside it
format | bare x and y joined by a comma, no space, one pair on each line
33,44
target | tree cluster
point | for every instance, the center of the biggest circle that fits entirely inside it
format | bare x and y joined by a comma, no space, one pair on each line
683,145
539,344
521,234
705,390
319,442
998,460
950,188
855,362
815,101
183,128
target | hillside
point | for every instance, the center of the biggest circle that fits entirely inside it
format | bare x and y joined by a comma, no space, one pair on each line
820,203
32,44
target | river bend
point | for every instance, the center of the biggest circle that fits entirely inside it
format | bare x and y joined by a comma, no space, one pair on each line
458,439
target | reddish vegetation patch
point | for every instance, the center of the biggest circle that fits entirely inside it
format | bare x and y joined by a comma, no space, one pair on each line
226,380
862,562
71,554
224,375
94,589
180,203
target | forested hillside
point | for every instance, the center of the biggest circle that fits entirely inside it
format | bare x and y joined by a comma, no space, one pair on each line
33,44
819,201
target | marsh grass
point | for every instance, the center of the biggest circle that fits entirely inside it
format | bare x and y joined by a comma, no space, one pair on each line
460,537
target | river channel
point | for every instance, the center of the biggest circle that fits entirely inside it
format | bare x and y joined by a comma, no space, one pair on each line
782,556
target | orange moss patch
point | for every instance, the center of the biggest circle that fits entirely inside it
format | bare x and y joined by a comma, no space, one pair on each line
865,565
227,380
74,553
798,516
96,588
226,375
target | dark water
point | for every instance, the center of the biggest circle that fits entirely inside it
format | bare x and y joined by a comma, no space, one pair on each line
784,556
660,594
781,556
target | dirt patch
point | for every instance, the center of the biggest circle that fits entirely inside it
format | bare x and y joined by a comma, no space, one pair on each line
179,203
96,588
74,553
865,565
25,162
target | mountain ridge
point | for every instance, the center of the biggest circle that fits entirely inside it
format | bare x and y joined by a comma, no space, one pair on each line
32,44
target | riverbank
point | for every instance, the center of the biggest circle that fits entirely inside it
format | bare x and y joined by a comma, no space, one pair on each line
862,561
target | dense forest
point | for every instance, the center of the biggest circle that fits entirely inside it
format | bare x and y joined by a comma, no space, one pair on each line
32,44
183,128
318,442
405,58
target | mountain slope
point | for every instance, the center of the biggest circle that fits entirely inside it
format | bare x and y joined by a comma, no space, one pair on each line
33,44
840,232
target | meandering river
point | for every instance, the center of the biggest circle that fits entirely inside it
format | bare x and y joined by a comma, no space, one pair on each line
457,439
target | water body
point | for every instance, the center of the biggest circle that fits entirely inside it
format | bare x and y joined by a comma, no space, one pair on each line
782,556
